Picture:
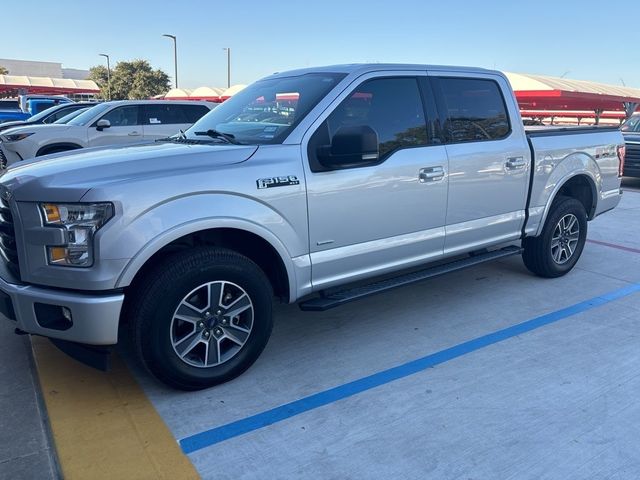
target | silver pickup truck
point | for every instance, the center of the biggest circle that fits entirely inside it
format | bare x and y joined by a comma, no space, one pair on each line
317,186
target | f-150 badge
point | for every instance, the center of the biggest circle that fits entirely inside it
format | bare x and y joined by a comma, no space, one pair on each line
277,181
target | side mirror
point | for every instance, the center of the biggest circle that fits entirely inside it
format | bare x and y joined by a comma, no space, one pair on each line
102,124
350,147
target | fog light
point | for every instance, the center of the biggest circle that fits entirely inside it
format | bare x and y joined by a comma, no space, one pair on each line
55,317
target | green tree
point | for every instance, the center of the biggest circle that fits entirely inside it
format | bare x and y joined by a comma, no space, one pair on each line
132,80
3,70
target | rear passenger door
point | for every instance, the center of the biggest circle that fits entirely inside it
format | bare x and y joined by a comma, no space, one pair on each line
366,220
124,127
488,160
165,119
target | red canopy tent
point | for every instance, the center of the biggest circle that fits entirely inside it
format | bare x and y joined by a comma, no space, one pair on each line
19,84
539,95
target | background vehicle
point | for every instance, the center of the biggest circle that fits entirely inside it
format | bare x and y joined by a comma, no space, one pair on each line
9,104
31,105
49,115
36,103
305,182
109,123
60,121
632,124
631,131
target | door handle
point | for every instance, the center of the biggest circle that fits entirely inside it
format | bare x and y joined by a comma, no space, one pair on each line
431,174
134,134
515,163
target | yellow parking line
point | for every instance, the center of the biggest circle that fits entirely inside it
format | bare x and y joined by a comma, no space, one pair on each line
103,425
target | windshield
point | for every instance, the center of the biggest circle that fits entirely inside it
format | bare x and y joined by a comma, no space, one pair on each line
71,115
631,125
85,117
268,110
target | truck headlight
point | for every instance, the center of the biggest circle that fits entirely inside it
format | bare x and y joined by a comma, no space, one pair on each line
14,137
80,221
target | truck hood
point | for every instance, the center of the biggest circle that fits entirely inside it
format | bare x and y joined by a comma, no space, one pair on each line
67,176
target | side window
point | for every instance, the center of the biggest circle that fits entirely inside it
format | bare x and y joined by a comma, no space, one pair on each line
122,116
164,114
391,106
193,113
473,110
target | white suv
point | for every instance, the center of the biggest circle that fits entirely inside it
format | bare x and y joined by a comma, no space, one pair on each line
110,123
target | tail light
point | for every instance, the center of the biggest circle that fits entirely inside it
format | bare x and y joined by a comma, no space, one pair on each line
622,150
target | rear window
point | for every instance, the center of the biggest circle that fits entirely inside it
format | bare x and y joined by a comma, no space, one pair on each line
474,110
193,113
172,114
9,105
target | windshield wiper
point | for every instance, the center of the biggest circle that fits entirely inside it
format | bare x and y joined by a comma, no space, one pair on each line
227,137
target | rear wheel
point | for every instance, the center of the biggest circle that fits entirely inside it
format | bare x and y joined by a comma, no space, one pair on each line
202,317
557,250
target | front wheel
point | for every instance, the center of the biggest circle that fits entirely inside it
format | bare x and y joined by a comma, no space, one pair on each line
556,251
202,317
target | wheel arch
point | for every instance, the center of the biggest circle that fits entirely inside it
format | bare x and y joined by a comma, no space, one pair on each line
45,150
250,240
581,186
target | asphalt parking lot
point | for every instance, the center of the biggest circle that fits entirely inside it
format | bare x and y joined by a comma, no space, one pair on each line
482,374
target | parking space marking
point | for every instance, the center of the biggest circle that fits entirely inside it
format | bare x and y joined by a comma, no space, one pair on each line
225,432
103,425
614,245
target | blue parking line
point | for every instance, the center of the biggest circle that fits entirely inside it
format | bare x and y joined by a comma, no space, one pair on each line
219,434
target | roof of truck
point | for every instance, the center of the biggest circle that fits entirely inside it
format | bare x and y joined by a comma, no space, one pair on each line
373,67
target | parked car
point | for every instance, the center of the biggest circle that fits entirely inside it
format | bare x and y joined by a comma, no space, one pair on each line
631,131
109,123
49,115
9,104
631,124
632,157
30,105
72,115
60,121
298,187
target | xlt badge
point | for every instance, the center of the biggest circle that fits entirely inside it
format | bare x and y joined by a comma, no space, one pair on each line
277,181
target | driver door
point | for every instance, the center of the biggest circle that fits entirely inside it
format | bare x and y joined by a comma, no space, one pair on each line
370,219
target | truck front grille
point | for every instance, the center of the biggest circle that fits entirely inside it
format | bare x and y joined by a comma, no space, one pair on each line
632,156
3,160
8,247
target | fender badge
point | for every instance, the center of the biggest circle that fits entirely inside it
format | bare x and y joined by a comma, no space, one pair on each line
277,181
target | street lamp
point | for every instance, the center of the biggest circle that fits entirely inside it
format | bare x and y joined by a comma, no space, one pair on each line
108,74
175,54
228,50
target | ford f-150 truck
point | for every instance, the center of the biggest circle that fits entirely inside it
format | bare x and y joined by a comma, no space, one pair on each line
318,186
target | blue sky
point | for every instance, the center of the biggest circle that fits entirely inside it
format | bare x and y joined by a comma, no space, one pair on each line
584,38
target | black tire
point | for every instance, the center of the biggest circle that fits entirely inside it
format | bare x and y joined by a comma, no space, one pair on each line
538,255
158,296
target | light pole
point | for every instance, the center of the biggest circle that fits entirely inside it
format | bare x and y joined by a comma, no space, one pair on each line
175,54
228,50
108,74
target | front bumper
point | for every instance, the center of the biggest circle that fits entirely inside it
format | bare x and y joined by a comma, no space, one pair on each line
9,157
94,318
